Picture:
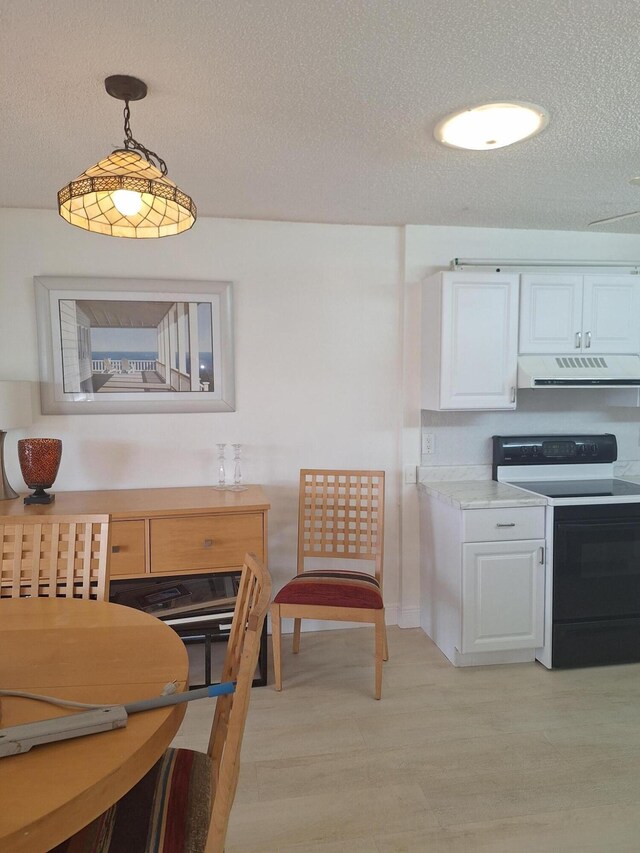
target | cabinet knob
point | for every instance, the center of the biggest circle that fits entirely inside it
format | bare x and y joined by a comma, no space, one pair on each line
588,340
509,524
207,543
578,340
115,549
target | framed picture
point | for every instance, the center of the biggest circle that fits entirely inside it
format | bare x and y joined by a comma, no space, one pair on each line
125,346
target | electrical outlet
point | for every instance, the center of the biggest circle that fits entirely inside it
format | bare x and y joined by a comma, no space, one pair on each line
410,475
428,443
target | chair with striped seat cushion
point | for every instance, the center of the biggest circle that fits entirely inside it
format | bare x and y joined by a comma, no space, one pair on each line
341,518
338,588
167,810
182,804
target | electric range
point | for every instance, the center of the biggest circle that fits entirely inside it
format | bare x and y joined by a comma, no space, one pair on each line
592,568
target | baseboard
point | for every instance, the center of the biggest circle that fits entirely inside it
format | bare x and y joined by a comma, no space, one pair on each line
408,617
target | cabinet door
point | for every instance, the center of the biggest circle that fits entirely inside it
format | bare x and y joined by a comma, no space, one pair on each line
502,596
479,343
550,314
610,314
128,548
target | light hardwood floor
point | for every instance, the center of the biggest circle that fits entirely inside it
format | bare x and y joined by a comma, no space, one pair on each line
507,759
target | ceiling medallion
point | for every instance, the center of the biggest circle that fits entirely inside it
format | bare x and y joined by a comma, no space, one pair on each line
128,194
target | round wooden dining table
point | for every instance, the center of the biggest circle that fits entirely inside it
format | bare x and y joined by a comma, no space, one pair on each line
87,651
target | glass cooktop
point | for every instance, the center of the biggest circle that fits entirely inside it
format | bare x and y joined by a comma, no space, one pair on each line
582,488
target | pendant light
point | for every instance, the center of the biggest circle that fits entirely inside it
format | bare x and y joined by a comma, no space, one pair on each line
128,194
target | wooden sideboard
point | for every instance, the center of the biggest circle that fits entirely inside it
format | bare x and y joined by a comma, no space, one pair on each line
167,534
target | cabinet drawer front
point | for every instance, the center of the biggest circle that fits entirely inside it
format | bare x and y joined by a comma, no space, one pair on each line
499,525
204,542
127,548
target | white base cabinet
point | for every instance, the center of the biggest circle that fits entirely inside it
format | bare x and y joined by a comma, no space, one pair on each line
482,581
502,596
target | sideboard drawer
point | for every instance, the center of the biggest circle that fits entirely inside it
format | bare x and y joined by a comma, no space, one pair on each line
195,543
127,550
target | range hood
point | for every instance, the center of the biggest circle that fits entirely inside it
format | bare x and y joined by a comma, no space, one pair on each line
578,371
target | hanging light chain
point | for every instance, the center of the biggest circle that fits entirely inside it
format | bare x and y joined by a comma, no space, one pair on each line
133,145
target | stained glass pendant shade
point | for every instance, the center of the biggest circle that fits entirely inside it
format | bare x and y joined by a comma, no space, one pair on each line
127,194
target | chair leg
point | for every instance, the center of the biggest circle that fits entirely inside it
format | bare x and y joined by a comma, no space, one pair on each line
276,635
380,642
296,635
386,645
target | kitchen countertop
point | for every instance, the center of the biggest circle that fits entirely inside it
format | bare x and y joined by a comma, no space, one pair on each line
479,494
632,478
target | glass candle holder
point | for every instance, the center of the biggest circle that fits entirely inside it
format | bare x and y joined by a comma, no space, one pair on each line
237,470
222,476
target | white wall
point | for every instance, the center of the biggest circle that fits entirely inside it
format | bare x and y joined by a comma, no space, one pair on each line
327,363
464,438
317,344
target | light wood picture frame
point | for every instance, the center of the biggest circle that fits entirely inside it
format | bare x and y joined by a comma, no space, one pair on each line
127,346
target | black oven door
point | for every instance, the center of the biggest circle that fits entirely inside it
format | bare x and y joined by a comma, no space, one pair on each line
596,562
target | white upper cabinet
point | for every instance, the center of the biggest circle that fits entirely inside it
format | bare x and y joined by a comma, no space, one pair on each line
579,313
550,313
610,314
469,341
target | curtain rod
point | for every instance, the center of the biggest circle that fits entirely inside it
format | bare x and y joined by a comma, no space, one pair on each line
498,263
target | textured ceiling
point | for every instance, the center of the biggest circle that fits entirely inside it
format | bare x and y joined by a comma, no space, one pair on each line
323,110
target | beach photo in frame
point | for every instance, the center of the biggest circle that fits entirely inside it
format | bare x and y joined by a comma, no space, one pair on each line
126,346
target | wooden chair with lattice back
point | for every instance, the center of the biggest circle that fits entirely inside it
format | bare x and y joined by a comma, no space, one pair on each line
340,518
54,557
183,804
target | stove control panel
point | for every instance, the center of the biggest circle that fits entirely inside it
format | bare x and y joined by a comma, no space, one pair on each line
553,449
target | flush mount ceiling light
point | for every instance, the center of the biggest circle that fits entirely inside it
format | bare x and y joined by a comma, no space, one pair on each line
490,126
128,193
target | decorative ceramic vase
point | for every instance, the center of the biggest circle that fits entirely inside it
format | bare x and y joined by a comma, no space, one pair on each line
39,462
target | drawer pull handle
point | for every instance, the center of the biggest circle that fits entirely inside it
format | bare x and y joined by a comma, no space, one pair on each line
510,524
207,543
115,549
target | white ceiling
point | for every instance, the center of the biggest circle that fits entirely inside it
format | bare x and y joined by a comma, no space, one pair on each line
323,110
